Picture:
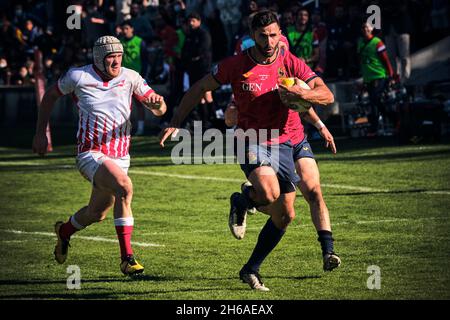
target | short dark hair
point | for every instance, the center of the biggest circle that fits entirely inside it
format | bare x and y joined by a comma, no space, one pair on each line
194,15
126,23
264,18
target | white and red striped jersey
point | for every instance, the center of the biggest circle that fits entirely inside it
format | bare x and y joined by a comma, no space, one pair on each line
104,107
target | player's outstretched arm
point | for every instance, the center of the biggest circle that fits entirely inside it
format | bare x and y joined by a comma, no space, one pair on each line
312,118
318,95
189,101
156,104
40,141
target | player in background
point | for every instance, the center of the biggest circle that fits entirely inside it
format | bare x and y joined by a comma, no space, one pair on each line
262,104
377,72
303,40
134,58
102,92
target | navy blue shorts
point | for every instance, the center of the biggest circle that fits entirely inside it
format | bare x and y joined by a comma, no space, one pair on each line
281,158
303,150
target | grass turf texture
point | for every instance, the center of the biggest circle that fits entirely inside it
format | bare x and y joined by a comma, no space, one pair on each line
388,203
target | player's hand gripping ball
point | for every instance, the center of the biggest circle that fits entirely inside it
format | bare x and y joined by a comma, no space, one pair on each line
298,104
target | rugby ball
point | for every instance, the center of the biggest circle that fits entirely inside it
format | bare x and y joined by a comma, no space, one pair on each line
300,105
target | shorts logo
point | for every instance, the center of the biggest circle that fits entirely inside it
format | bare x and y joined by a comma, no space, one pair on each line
305,148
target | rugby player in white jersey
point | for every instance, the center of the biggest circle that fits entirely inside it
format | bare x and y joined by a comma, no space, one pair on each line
102,92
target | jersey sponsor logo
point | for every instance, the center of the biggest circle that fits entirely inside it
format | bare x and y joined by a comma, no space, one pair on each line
251,86
281,72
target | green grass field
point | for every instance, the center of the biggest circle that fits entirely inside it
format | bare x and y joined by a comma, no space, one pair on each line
389,206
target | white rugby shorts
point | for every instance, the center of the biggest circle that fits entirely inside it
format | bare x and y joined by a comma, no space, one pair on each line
88,162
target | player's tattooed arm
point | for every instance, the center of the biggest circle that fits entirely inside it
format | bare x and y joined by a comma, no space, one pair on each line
40,141
156,104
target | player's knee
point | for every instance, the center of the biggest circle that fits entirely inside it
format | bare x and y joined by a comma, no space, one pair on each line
124,187
269,196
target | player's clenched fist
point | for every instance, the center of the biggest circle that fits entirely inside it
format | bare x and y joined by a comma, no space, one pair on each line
155,100
40,143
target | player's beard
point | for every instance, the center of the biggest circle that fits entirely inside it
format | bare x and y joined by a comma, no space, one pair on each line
263,50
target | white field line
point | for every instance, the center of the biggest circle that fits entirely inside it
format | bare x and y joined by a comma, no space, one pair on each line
183,176
326,185
191,177
363,222
100,239
144,244
207,178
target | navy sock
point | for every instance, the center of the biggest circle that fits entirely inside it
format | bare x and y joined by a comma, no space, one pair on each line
268,239
246,195
326,241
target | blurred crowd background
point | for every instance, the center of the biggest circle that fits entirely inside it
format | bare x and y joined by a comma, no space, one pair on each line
172,41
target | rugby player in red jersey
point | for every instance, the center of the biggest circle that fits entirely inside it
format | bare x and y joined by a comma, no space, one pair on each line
262,105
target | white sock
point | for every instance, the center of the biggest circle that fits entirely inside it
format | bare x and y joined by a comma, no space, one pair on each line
121,222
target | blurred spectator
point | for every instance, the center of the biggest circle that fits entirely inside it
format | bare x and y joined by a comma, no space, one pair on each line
376,70
140,22
244,41
168,35
287,21
177,72
135,58
339,45
215,26
320,30
93,24
397,27
230,15
123,8
29,35
196,57
11,47
251,6
302,40
159,69
20,16
134,48
5,72
23,78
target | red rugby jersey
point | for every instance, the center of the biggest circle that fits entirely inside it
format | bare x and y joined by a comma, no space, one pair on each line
255,89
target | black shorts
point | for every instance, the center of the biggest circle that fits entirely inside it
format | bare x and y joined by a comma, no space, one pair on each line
281,158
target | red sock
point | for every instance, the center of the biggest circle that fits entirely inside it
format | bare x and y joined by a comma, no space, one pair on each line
67,229
124,236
